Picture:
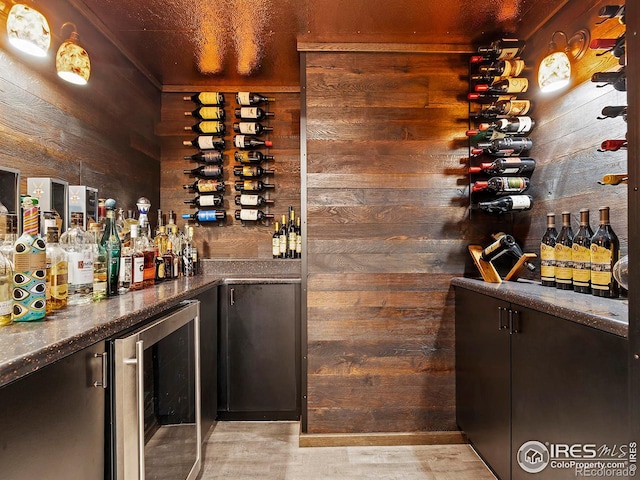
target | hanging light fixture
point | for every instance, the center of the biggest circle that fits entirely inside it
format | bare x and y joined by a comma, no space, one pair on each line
72,61
554,72
28,30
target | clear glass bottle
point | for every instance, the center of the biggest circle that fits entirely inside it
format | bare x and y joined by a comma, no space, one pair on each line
188,269
145,244
137,261
78,244
6,274
99,263
112,246
57,273
161,244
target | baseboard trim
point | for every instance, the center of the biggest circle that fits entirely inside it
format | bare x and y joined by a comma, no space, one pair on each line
380,439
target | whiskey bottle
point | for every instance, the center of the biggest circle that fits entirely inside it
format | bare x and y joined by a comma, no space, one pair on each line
214,200
250,128
213,157
137,260
249,98
99,262
510,203
247,142
206,98
581,255
251,171
605,249
251,215
207,113
205,142
548,253
507,166
564,243
248,157
252,113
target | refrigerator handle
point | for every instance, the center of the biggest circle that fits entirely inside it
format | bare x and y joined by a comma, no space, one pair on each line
138,361
232,298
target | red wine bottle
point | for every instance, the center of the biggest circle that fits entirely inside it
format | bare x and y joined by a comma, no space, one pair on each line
205,142
252,113
507,166
617,80
548,253
251,171
214,200
513,125
252,215
503,68
502,185
605,249
251,186
204,216
251,157
249,200
564,244
250,128
213,157
207,113
613,112
614,46
247,142
504,147
249,98
504,49
205,186
503,108
509,203
206,171
581,255
207,98
613,145
208,127
489,97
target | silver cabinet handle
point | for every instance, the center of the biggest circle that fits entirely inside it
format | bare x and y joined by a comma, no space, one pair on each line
514,321
501,310
138,361
232,299
104,356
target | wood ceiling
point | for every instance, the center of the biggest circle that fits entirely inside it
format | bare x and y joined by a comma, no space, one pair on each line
238,42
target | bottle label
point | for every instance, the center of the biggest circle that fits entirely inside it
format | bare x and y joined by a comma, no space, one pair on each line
249,185
211,127
299,244
30,262
512,68
547,263
518,107
124,275
292,241
5,307
208,201
521,202
58,281
238,141
564,266
513,184
249,200
248,128
275,246
209,98
508,53
207,216
207,186
581,258
244,98
251,215
283,243
81,267
205,142
214,113
138,270
249,112
517,85
601,258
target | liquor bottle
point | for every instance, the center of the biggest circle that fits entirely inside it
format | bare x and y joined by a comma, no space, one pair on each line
205,142
206,98
57,273
113,247
145,244
489,97
616,79
126,268
203,216
612,11
205,186
283,237
605,249
213,157
504,147
507,85
250,128
564,244
6,281
581,255
249,98
172,262
614,46
207,113
188,266
506,166
251,171
548,253
214,200
505,48
99,263
502,68
137,260
78,244
614,179
247,141
210,127
161,242
291,234
251,186
247,157
613,112
613,145
205,171
251,215
502,185
503,108
514,125
248,200
298,238
275,241
30,267
252,113
510,203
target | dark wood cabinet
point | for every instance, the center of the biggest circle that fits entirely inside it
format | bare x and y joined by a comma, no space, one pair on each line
523,375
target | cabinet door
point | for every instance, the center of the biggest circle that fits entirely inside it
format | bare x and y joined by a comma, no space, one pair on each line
52,421
569,386
482,377
260,343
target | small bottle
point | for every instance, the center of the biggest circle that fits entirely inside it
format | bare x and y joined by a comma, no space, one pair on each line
581,255
205,171
247,142
251,157
137,260
605,250
212,157
214,200
206,98
251,186
252,113
507,166
251,171
502,185
507,85
251,215
79,247
291,234
298,238
613,111
99,263
57,273
548,253
617,80
205,142
505,48
248,200
283,237
205,186
6,281
204,216
504,147
510,203
249,98
207,113
208,127
275,241
564,244
251,128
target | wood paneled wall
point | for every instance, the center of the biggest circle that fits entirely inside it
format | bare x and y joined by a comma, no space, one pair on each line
232,239
100,135
387,230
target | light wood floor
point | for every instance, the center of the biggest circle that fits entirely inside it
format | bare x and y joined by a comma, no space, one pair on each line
269,451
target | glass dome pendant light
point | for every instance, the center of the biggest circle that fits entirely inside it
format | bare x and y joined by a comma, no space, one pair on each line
28,30
72,61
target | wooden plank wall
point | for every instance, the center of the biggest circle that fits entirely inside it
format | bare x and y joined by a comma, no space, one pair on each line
387,230
100,135
233,240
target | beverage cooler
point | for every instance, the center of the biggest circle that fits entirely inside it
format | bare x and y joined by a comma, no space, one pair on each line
154,399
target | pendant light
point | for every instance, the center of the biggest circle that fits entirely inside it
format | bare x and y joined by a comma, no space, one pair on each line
72,61
554,71
28,30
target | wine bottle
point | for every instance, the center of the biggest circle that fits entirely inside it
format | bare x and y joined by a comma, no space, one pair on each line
507,85
207,113
250,128
205,142
249,98
604,254
214,200
251,171
548,253
507,166
251,157
298,238
564,242
291,234
204,216
612,11
613,145
484,78
213,157
502,68
614,111
503,108
206,171
488,98
252,113
251,186
502,185
247,142
251,215
57,287
248,200
498,248
581,255
614,46
205,186
480,136
617,80
504,147
112,246
504,49
513,125
208,127
283,237
509,203
206,98
614,179
275,241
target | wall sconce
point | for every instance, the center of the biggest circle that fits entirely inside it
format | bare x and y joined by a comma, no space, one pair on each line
28,30
72,61
554,71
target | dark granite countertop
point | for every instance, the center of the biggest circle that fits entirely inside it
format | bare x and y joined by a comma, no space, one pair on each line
609,315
